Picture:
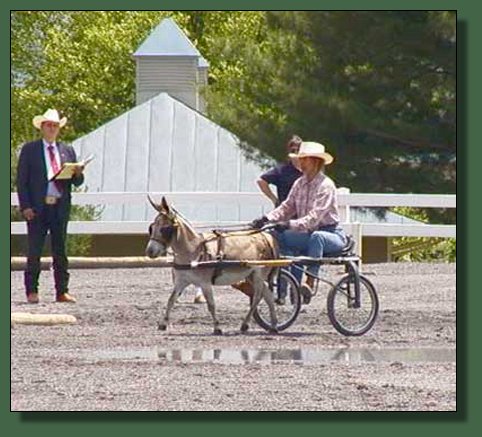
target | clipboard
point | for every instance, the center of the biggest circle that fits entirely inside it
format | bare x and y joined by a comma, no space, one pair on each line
68,169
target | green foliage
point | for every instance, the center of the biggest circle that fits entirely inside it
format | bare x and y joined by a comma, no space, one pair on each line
378,88
422,249
79,62
79,245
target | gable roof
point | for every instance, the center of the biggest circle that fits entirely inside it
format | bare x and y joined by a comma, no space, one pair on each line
163,145
167,39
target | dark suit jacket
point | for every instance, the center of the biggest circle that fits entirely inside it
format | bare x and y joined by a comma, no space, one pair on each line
32,177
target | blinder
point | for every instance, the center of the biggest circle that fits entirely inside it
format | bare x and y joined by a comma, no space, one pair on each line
166,231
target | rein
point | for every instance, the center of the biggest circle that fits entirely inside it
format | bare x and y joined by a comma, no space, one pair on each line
220,234
224,233
243,226
241,229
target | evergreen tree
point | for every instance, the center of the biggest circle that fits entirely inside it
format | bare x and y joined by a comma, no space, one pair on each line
378,88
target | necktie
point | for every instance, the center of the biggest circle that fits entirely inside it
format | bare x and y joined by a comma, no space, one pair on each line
55,166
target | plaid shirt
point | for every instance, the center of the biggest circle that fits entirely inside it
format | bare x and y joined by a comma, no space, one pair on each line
310,205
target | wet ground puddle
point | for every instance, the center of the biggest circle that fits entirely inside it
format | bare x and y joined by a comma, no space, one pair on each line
304,356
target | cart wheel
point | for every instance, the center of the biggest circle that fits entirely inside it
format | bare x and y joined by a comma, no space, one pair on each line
282,283
345,315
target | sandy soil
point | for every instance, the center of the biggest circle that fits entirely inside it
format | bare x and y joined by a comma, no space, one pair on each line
114,358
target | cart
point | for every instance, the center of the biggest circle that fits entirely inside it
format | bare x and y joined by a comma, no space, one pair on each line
352,301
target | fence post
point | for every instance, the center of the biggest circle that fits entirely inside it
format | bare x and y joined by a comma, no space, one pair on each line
357,236
345,211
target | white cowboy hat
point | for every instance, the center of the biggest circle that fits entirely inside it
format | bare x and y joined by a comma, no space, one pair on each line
315,150
50,115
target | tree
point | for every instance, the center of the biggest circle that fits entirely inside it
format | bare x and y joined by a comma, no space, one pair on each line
81,62
376,87
76,61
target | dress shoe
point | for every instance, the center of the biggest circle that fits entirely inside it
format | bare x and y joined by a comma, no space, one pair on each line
32,298
245,287
65,297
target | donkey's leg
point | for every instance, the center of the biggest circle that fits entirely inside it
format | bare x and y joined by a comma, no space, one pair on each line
207,289
257,282
267,295
179,285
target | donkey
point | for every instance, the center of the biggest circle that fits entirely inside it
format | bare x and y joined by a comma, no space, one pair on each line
171,229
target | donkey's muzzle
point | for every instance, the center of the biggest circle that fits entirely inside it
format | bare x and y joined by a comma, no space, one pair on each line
155,249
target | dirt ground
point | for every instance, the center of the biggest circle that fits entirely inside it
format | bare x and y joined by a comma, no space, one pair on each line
114,358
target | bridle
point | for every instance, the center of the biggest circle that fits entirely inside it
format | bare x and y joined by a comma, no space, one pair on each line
167,232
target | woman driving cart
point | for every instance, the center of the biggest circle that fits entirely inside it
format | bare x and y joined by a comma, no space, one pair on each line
307,222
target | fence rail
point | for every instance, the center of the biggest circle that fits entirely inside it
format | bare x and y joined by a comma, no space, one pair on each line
345,200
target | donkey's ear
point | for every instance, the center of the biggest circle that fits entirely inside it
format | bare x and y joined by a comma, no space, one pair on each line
164,204
156,207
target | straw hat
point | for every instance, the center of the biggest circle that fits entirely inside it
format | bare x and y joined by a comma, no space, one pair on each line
315,150
50,115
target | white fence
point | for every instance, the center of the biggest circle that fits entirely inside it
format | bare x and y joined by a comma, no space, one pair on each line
345,200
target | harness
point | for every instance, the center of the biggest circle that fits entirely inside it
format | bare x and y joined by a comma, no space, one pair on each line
219,235
166,231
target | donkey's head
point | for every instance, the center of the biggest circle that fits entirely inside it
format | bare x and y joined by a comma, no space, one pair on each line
162,231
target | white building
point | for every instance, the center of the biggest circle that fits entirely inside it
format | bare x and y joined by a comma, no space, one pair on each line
165,143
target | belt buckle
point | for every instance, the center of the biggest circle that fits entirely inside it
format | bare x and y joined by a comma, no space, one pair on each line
50,200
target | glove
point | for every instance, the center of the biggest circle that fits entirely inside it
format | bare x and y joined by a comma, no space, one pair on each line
259,222
282,226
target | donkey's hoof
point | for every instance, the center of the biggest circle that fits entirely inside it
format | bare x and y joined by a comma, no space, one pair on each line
218,331
244,327
162,326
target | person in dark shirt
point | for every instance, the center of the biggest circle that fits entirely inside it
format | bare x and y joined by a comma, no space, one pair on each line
282,176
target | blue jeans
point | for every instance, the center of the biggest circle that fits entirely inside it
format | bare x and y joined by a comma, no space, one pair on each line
328,241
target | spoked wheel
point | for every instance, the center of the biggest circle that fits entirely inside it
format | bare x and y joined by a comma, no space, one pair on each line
348,316
287,298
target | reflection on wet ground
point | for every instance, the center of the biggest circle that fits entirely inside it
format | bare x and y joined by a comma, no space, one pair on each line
281,356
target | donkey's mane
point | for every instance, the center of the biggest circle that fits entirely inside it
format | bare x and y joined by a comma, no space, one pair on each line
186,222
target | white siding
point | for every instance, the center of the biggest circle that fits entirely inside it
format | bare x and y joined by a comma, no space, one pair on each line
229,162
249,173
137,162
183,159
205,155
94,172
115,156
174,75
202,77
162,126
164,146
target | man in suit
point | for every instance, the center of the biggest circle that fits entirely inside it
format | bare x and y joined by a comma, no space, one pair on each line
45,204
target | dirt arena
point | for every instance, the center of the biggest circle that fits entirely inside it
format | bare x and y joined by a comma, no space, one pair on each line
114,358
